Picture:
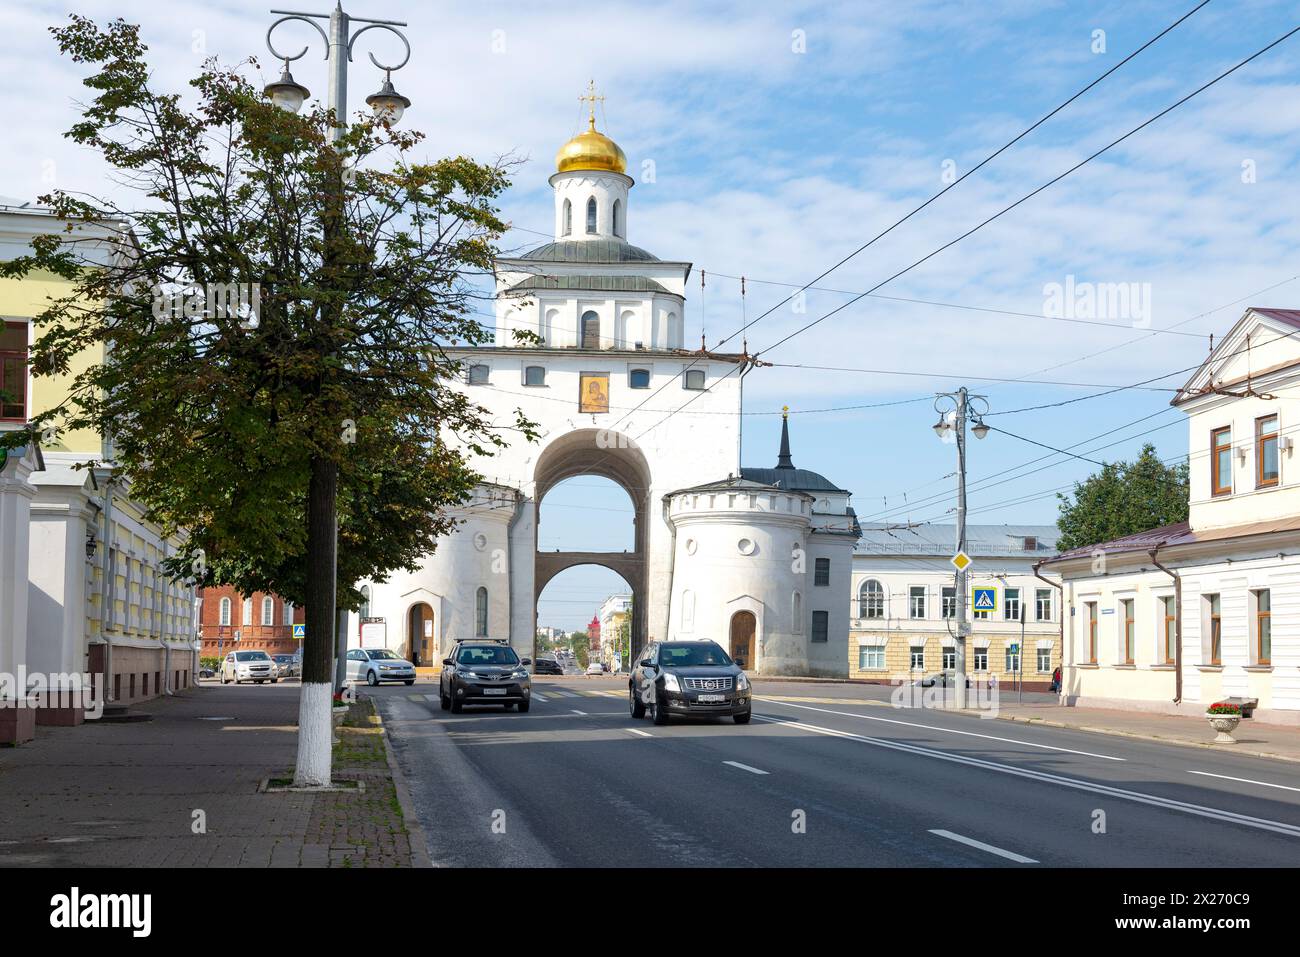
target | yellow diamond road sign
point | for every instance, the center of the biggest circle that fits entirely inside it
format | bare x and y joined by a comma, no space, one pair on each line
961,560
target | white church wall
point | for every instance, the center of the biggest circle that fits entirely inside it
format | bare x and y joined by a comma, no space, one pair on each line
577,188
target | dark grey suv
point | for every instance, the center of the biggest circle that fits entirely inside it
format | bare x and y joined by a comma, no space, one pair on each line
688,678
484,672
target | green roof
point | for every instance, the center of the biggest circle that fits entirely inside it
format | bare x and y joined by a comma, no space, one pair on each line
591,251
598,283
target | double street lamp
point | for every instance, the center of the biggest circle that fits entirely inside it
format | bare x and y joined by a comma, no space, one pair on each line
288,94
388,105
954,408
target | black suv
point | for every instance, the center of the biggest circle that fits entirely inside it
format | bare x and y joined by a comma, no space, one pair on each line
547,666
688,678
484,672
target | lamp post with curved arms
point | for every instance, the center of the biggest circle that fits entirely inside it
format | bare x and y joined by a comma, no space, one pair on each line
953,409
289,95
389,105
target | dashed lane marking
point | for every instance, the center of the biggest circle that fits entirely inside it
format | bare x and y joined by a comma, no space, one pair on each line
639,732
1263,784
971,842
745,767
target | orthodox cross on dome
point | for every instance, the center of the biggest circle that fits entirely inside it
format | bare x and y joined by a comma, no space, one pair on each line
590,98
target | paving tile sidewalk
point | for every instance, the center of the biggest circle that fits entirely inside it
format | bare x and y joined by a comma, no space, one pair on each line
182,790
1281,742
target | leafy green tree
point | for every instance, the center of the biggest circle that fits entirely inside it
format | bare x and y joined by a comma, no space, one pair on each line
250,423
1122,499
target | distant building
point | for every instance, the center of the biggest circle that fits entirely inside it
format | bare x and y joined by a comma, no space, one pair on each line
904,603
613,614
593,634
260,622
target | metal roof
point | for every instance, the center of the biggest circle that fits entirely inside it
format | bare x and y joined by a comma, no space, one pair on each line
591,251
797,480
981,540
601,283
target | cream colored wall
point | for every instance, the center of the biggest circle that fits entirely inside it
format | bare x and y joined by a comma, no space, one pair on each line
22,300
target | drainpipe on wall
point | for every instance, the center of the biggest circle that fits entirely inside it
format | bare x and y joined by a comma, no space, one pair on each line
167,666
1060,605
1178,624
672,583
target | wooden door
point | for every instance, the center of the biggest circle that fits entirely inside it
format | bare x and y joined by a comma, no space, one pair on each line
743,628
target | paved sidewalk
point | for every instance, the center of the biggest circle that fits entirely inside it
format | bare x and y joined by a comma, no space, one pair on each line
182,790
1278,741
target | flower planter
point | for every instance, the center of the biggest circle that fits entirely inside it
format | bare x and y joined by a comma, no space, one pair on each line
337,716
1224,724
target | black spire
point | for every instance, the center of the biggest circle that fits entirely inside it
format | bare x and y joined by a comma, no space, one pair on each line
783,459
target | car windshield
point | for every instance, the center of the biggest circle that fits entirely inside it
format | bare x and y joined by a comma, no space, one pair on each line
283,659
487,655
381,653
251,656
701,654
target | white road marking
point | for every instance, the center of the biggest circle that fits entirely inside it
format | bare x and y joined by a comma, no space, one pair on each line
638,731
538,697
1263,784
1229,817
583,713
970,734
431,697
971,842
744,767
418,697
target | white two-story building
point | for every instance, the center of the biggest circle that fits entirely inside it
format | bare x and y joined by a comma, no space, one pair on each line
1176,618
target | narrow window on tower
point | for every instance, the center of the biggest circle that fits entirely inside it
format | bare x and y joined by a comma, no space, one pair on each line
591,215
616,224
568,218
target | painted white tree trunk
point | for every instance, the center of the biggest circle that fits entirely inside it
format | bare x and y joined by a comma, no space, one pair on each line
315,703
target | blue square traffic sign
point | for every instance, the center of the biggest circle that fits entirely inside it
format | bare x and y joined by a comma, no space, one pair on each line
984,599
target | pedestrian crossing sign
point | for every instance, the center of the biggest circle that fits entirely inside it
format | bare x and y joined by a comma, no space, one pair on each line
984,599
300,631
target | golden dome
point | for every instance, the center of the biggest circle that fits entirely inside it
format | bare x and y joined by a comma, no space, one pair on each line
590,150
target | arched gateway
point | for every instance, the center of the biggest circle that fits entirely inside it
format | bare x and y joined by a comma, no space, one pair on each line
616,394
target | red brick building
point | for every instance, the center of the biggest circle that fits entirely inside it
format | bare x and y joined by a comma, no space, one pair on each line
261,622
593,634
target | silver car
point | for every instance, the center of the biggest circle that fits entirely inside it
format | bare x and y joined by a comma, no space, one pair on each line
241,666
376,665
287,666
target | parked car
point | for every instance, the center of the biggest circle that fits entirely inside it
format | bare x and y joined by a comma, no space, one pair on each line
695,678
942,679
547,666
206,671
377,665
595,668
287,666
241,666
484,672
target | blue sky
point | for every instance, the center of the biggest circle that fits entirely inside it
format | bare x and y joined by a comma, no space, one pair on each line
773,164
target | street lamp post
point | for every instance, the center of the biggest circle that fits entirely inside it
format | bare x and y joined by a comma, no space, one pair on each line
388,105
954,420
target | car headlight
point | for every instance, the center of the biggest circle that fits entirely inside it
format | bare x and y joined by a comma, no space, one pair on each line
521,673
670,683
742,683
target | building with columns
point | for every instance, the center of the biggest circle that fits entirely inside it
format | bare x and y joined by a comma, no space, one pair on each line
590,345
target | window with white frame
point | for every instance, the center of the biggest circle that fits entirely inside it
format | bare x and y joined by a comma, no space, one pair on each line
949,658
871,599
1012,660
871,658
535,375
268,610
693,379
918,657
248,611
288,613
949,600
477,374
225,612
1043,604
981,659
916,601
1044,660
1011,604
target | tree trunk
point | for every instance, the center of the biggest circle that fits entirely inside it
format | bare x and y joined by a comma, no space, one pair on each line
315,733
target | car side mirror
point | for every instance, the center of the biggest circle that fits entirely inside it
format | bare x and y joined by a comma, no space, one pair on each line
525,661
447,661
647,663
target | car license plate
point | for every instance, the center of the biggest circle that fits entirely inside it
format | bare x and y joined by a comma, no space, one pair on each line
712,698
494,690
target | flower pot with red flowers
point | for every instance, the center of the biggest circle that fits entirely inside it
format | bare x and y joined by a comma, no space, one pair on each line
1223,718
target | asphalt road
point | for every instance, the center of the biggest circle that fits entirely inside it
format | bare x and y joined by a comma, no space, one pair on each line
578,782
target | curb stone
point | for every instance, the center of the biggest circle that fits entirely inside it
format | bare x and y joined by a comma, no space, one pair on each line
415,834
